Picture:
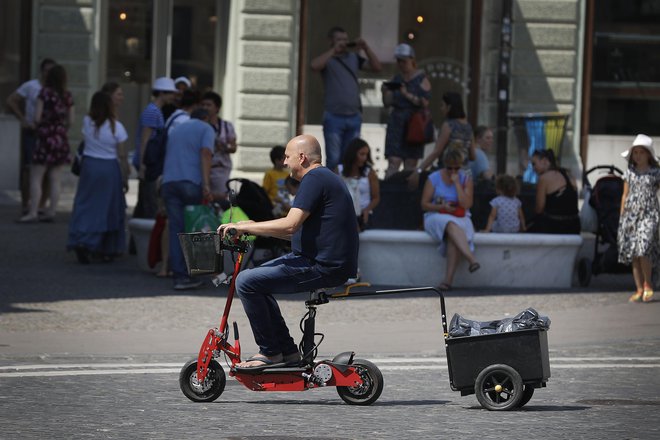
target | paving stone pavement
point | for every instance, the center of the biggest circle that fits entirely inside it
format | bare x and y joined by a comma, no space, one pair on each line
415,405
54,312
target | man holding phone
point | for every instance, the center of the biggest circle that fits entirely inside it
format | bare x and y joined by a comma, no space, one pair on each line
339,66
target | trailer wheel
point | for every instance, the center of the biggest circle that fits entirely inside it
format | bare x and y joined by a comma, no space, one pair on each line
499,388
528,392
584,272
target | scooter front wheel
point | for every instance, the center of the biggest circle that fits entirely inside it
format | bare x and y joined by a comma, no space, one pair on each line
208,390
369,391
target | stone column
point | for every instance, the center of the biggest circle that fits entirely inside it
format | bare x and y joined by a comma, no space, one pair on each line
259,86
544,66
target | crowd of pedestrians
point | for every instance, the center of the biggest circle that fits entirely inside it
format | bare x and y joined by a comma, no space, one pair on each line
196,146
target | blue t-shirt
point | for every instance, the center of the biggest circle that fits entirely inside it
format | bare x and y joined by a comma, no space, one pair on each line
329,236
151,117
342,92
184,151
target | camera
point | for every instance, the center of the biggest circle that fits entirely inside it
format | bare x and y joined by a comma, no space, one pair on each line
392,85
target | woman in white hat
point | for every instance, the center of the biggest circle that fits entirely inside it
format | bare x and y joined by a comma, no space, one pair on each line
638,238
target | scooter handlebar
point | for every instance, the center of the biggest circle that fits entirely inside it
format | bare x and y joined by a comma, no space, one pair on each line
231,241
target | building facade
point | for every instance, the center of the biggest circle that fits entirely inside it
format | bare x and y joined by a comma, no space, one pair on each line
597,62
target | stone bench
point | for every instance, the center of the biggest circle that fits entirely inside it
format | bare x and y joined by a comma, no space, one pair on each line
411,258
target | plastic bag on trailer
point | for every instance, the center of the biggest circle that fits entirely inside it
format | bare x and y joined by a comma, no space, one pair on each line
460,326
527,319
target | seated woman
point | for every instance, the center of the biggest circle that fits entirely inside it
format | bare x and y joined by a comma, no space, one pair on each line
556,197
446,201
356,170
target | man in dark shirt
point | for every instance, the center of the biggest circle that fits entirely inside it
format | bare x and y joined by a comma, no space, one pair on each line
324,241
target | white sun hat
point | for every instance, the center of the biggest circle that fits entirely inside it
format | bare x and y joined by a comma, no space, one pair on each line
184,80
164,84
644,141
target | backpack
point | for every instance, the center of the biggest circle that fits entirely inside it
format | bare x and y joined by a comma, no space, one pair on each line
154,152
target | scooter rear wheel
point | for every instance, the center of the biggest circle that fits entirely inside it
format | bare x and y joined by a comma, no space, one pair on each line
369,391
207,391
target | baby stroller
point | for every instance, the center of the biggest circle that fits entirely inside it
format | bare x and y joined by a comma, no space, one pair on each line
254,201
605,199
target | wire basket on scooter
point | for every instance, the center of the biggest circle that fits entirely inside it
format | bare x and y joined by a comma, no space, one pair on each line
202,252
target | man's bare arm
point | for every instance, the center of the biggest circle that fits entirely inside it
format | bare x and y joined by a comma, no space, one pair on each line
282,228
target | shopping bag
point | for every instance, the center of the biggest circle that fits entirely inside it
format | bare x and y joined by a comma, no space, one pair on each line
200,218
235,215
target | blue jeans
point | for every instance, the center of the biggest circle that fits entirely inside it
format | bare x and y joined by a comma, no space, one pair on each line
177,195
338,131
287,274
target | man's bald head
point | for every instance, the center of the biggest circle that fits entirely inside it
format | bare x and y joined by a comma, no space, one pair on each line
302,154
308,145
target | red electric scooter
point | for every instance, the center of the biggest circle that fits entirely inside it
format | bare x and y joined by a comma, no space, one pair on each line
358,381
502,369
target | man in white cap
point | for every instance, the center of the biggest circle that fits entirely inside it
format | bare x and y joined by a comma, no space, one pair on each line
339,66
150,125
182,83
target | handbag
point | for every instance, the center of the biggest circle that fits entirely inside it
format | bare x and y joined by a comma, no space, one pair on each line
420,128
76,165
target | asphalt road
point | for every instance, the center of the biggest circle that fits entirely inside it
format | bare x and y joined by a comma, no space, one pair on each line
94,352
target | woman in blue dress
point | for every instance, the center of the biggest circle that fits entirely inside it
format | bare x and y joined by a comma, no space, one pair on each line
97,226
446,201
407,92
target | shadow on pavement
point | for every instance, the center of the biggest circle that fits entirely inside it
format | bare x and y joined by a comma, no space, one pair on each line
421,402
546,408
36,267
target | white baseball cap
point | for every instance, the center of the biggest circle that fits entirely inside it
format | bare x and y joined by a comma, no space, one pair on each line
164,84
404,50
644,141
182,79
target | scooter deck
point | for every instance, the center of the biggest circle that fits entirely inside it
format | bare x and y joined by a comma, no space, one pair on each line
271,369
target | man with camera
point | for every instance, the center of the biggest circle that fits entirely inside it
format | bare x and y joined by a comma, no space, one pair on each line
339,66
